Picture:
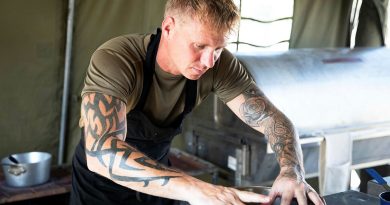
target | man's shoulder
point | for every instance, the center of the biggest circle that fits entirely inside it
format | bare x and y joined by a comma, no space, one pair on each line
129,43
226,61
226,54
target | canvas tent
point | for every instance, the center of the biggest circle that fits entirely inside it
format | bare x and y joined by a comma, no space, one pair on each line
33,36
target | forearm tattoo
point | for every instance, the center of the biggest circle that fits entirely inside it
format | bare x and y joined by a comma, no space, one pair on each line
257,111
105,124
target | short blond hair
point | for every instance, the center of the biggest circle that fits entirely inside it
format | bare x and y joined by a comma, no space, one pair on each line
223,15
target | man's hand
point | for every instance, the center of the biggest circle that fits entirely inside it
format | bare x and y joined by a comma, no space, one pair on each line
219,195
288,186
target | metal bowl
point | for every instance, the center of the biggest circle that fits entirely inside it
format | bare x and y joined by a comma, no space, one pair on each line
32,168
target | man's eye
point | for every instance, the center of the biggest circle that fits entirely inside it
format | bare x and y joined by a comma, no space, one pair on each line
199,46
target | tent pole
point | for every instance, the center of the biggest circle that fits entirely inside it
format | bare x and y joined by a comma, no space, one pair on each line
65,94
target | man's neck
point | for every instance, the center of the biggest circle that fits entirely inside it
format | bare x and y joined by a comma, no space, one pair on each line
163,60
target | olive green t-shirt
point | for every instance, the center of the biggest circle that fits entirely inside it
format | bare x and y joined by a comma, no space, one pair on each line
116,69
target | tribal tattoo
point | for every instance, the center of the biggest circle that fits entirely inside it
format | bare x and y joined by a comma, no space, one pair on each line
258,112
105,124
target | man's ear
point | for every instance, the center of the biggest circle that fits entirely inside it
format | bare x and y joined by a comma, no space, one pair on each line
168,26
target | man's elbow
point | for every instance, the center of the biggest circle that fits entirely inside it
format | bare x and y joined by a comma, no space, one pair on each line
92,157
93,165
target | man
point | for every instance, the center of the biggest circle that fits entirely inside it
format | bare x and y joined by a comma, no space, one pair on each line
137,91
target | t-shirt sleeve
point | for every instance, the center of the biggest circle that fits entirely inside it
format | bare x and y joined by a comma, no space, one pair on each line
230,77
110,73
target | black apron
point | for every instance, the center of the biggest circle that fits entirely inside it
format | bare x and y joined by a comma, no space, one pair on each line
91,188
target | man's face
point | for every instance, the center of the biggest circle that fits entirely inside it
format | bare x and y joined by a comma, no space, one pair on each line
192,48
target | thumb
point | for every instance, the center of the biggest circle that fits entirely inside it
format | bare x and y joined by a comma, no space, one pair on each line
251,197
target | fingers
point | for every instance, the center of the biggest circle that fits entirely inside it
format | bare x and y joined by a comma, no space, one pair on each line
251,197
272,195
236,202
287,196
301,197
220,195
313,196
229,196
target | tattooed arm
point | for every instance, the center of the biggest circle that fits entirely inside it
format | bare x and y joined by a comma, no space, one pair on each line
108,155
257,111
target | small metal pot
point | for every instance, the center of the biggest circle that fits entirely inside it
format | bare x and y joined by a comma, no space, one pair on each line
31,168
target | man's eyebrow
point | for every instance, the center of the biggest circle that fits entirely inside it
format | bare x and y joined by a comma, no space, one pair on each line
208,45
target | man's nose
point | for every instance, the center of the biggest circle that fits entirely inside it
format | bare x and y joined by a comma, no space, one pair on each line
208,58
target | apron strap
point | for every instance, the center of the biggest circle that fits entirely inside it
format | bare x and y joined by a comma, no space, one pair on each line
149,63
191,92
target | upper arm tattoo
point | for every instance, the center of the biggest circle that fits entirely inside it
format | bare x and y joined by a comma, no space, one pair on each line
257,111
254,109
105,129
